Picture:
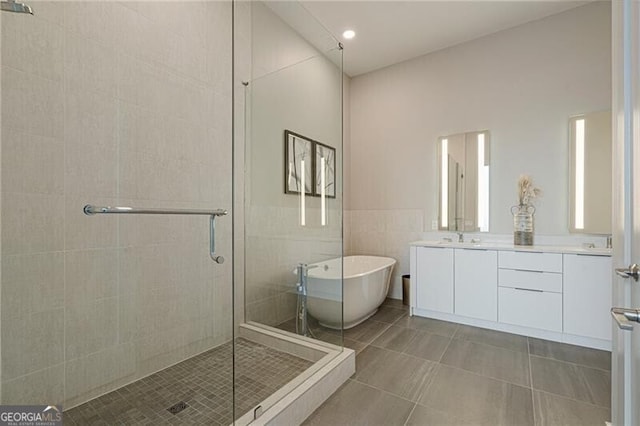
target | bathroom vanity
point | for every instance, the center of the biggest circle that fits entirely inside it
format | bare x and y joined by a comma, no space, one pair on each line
551,292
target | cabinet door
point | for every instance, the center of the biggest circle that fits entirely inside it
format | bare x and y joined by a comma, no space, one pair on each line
476,283
587,295
434,286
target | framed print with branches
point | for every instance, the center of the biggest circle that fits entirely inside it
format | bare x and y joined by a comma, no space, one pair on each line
298,156
325,171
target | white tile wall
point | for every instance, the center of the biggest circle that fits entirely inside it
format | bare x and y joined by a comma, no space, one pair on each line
384,233
111,103
275,245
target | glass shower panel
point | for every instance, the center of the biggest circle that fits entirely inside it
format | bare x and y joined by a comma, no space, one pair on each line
118,318
293,173
288,80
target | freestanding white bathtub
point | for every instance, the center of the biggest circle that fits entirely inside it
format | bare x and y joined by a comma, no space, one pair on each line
366,283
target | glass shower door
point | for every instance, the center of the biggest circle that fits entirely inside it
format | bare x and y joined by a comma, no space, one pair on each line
117,318
288,83
293,157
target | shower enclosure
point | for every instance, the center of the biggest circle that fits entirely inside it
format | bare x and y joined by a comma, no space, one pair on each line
151,305
288,100
293,155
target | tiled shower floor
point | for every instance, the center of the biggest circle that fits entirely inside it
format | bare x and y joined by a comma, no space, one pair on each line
204,382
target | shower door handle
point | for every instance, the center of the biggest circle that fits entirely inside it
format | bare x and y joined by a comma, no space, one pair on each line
91,210
212,240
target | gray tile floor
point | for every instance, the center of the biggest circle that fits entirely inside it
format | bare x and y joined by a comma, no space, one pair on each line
204,382
418,371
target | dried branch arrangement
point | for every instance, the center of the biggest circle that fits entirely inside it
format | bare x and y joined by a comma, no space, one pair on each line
527,192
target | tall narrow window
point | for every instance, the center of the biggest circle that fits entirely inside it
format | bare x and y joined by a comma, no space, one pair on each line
579,176
444,189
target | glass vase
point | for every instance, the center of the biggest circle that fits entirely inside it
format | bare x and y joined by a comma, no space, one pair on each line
523,224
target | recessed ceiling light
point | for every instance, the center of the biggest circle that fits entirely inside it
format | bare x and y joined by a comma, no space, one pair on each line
349,34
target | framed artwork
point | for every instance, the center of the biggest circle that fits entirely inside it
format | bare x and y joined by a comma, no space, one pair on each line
298,160
325,171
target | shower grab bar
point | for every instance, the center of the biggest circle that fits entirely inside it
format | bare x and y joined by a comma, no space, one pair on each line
91,210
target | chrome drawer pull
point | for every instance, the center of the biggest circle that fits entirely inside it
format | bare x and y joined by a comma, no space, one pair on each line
528,289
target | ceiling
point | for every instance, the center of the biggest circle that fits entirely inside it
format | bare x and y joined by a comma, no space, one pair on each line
388,32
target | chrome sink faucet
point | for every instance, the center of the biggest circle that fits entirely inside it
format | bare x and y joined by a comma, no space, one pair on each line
460,237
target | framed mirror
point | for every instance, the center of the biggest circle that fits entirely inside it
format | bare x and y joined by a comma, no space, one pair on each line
463,182
590,173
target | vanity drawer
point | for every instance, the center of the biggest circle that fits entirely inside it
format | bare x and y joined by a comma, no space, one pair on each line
531,280
548,262
527,308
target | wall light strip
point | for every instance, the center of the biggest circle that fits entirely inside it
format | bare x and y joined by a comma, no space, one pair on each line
483,187
303,213
444,190
323,203
579,176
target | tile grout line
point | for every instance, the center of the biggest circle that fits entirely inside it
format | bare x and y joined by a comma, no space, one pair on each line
490,345
415,405
355,379
385,391
435,370
573,399
533,402
572,363
447,348
483,376
408,354
534,389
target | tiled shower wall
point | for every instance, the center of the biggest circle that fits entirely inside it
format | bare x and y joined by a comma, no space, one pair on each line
384,233
111,103
275,244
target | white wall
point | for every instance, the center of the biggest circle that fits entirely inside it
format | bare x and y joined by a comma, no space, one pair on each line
521,84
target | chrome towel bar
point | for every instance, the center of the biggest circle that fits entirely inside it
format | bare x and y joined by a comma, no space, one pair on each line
91,210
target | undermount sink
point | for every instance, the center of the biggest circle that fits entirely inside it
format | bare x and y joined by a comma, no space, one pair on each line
508,245
457,243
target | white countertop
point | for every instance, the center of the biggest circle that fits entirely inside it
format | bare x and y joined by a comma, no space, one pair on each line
488,245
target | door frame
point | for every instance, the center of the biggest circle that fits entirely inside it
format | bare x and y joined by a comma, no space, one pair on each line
625,65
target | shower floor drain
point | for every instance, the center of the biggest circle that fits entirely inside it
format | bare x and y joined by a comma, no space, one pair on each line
176,408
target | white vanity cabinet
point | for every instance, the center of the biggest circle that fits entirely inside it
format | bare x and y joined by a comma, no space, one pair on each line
587,295
434,276
530,289
475,283
555,293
